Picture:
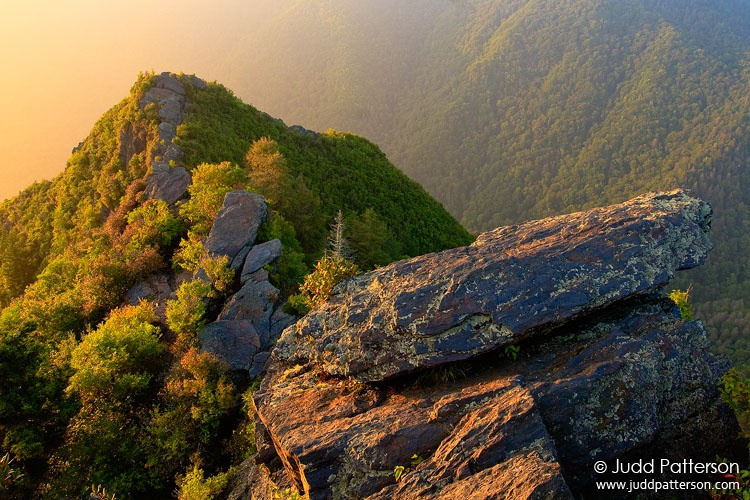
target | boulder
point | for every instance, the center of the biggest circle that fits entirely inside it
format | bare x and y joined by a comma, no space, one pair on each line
259,256
158,288
251,320
406,368
236,224
235,342
167,132
239,260
170,82
167,183
505,287
255,301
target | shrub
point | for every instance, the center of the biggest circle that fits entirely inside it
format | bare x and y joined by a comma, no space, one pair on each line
319,284
681,299
185,314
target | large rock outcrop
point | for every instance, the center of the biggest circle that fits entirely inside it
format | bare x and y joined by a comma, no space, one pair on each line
236,225
407,366
169,180
252,319
511,282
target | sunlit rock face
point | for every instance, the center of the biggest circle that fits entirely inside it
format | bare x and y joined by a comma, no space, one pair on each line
507,286
505,369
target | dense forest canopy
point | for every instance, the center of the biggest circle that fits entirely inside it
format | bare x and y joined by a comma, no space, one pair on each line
510,110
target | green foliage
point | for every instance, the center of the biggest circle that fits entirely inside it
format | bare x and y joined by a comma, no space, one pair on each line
113,377
290,268
743,478
151,225
735,391
242,443
288,494
194,486
185,314
267,170
33,406
338,244
681,300
196,400
511,351
315,175
113,365
399,471
371,240
511,111
190,254
211,182
90,391
9,475
319,284
443,374
100,492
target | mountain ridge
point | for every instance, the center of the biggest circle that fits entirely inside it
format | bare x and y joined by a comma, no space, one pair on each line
120,295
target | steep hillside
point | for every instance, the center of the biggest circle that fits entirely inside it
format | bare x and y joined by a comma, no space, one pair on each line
155,242
329,172
516,109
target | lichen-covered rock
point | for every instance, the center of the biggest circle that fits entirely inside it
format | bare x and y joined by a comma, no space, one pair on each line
631,381
237,223
344,439
255,302
252,319
607,369
510,283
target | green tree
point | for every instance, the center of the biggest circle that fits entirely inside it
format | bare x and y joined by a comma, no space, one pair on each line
114,370
267,170
372,241
290,268
211,182
186,313
196,402
319,284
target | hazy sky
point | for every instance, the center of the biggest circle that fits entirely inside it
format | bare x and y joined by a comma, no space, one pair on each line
65,62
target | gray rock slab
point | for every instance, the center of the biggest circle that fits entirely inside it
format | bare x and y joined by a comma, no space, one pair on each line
512,283
236,224
259,256
234,342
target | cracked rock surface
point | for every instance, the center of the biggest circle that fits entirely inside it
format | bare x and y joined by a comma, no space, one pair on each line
510,283
406,367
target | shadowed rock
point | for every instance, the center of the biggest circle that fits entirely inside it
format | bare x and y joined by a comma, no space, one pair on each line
235,342
259,256
167,183
252,319
236,224
510,283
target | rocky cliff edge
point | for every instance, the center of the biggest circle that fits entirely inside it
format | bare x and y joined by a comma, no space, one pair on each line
505,369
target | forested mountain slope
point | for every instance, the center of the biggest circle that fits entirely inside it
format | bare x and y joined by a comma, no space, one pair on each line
508,110
109,273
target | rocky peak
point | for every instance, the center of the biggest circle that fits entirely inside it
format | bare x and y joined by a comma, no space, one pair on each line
409,366
169,180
